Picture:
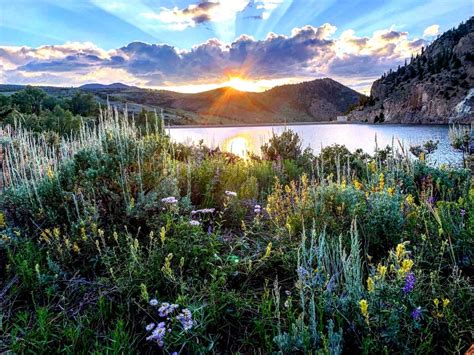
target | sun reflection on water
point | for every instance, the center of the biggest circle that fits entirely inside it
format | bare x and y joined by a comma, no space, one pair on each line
238,145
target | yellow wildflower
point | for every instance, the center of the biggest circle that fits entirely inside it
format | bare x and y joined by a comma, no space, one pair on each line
436,302
162,235
83,233
406,265
76,248
2,220
357,184
446,301
381,181
410,200
400,251
372,166
391,191
364,309
50,172
343,183
56,232
422,156
382,270
370,284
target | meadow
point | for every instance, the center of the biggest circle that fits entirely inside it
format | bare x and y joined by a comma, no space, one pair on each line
114,239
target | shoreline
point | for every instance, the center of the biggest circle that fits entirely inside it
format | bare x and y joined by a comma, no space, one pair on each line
279,124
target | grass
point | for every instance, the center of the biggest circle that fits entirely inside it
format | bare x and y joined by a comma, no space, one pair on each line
116,240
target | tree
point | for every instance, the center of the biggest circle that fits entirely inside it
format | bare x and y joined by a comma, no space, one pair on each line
83,104
29,100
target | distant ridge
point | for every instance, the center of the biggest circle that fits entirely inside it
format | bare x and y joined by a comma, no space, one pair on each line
319,100
97,86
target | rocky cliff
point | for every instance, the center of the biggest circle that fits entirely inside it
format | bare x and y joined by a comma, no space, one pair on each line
436,86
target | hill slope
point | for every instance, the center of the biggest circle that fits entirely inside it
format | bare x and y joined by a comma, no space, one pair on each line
437,86
312,101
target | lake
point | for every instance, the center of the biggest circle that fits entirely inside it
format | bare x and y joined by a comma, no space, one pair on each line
240,140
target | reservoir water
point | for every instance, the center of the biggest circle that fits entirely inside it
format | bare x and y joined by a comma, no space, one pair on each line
241,140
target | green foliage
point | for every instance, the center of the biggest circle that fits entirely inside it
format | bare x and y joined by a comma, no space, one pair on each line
96,226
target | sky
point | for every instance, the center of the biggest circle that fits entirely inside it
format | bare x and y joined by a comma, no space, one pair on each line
193,45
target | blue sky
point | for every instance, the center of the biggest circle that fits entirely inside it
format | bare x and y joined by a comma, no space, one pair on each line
179,43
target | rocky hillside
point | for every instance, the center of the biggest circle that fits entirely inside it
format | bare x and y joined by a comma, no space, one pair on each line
436,86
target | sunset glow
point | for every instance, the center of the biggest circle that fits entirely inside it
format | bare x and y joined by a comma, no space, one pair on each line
240,84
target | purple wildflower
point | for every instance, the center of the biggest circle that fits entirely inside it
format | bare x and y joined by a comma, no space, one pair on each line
431,200
463,212
416,313
409,283
166,309
154,302
158,334
186,319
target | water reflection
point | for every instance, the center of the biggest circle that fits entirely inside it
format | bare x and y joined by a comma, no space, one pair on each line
243,140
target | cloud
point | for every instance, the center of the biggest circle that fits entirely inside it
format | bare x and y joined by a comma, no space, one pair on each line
431,31
180,19
210,11
308,52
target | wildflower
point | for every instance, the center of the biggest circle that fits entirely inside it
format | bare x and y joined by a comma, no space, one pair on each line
257,209
436,302
364,309
76,248
370,284
462,212
446,302
186,319
416,313
343,183
153,302
230,193
194,223
381,181
158,334
409,283
406,266
381,270
166,309
50,172
171,200
391,191
372,166
2,220
400,250
150,327
357,184
410,199
431,200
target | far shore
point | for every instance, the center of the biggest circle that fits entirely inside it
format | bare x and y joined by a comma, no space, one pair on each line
273,124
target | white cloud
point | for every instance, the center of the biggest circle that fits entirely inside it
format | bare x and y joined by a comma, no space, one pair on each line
431,31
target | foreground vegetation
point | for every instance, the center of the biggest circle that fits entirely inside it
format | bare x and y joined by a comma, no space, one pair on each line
116,240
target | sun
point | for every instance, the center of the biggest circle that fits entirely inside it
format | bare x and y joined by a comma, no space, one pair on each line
240,84
238,146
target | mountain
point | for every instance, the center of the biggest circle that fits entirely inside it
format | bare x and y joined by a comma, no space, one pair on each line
436,86
97,86
312,101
